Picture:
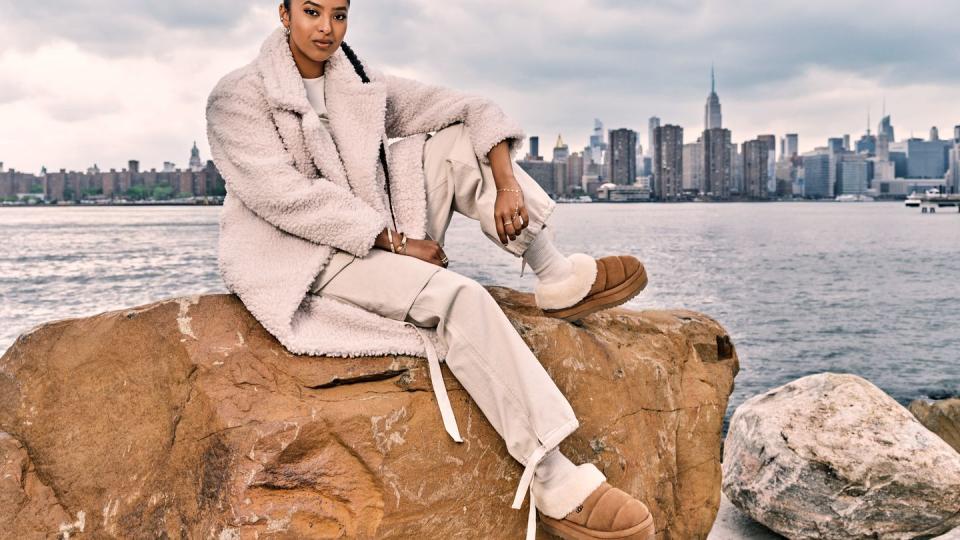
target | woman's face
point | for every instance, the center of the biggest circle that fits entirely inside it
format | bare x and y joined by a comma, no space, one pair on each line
317,27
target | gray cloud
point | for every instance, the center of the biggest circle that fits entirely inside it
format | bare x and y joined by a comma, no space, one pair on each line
812,66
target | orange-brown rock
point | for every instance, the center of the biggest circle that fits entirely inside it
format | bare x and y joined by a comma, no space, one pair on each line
941,417
186,419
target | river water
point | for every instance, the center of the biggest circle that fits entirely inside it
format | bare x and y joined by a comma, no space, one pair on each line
865,288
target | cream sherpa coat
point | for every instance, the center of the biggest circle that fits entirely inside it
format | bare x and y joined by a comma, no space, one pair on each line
295,192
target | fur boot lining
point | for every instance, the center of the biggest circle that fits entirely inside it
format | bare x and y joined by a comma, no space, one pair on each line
570,290
563,499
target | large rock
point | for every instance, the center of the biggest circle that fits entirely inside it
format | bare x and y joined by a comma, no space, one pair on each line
941,417
832,456
186,419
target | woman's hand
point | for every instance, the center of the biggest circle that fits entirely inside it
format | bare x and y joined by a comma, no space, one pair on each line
426,250
510,214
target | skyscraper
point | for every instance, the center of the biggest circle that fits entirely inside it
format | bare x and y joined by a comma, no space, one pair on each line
560,154
668,162
717,164
792,146
886,128
653,124
755,169
622,157
598,147
817,177
771,160
693,163
712,115
534,148
956,133
574,173
934,134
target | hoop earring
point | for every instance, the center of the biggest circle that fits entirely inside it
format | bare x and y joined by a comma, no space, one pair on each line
286,31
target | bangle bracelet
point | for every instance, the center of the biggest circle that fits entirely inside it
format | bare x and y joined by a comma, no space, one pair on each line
390,236
506,189
403,243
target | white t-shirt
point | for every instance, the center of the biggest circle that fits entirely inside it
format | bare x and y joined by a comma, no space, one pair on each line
315,97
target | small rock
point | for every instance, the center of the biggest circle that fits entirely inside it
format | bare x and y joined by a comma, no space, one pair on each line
833,456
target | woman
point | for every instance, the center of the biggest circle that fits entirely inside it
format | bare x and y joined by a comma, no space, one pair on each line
333,240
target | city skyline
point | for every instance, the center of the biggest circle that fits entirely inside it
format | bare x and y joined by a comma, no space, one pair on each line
813,68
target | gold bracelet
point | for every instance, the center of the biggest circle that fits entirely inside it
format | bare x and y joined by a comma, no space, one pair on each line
390,236
508,189
403,243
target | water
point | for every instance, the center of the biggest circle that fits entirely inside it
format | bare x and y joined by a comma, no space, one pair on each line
871,289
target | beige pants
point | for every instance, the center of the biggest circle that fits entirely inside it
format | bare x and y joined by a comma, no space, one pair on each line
485,353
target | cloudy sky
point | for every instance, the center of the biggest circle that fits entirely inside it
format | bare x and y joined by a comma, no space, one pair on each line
98,81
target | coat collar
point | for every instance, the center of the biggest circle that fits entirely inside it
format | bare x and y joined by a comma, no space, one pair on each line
356,111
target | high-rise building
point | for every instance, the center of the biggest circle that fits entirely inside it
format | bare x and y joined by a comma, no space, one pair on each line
792,146
598,146
835,144
846,142
622,157
653,124
693,164
196,164
771,141
668,162
816,175
953,175
755,170
574,173
541,171
956,133
853,174
934,134
560,154
886,128
712,115
926,159
717,164
534,149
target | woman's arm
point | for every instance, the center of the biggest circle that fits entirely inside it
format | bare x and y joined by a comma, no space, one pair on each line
416,107
258,170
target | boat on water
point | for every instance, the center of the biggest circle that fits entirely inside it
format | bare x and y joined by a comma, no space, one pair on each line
854,198
913,200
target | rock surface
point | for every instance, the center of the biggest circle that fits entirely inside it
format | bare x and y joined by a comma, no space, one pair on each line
941,417
833,456
186,419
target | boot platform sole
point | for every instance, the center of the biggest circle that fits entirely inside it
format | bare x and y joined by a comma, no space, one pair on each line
571,531
604,299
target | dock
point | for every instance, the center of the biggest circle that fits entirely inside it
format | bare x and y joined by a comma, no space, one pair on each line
930,204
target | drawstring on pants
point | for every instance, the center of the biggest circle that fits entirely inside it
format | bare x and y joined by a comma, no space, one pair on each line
436,380
450,424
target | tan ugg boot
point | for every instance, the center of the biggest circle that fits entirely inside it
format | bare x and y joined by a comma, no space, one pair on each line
607,513
614,280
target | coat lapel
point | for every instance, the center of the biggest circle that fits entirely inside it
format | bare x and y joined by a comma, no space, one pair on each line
349,153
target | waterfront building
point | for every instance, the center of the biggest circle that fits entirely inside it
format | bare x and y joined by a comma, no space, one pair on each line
717,164
791,146
756,155
622,157
196,164
598,147
560,154
693,166
771,141
610,192
917,158
668,162
816,174
853,174
574,173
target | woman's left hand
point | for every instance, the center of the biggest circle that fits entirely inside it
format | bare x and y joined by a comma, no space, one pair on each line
510,213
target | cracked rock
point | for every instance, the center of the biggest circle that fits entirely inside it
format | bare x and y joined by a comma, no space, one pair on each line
189,420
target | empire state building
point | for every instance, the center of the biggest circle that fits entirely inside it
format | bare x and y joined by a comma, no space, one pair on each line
713,117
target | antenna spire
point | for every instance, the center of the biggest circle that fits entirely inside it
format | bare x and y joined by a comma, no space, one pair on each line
713,79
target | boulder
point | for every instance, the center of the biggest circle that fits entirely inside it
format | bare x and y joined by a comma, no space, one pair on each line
832,456
941,417
186,419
